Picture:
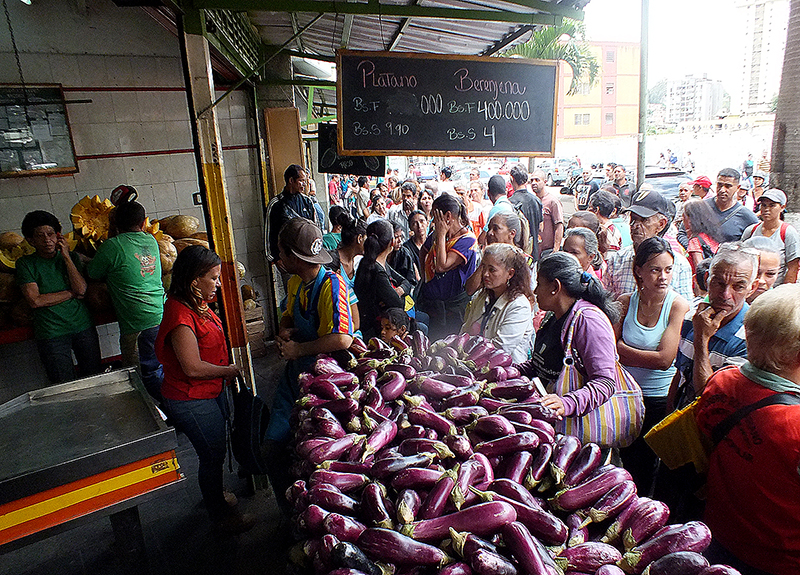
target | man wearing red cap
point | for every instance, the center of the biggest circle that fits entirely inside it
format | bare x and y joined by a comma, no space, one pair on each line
701,187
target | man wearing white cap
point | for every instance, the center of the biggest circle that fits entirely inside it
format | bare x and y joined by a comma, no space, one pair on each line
782,235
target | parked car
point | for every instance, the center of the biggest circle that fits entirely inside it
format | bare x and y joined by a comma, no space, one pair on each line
557,170
666,181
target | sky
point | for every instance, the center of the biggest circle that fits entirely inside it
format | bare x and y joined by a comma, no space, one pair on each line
686,36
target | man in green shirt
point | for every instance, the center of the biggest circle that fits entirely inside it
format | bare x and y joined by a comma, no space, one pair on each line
130,265
52,284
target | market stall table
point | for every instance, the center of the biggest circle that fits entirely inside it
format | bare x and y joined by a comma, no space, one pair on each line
82,450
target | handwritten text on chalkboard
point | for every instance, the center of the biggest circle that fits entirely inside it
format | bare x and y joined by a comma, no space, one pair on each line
411,103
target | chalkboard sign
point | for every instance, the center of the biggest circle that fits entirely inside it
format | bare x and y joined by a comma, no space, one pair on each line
34,131
414,104
332,163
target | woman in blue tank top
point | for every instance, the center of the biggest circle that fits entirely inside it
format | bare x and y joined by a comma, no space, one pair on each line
647,342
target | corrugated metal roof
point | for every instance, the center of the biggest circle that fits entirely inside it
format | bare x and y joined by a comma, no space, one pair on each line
419,34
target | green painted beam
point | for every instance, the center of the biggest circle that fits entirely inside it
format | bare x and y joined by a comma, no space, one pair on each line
318,120
310,56
375,9
318,84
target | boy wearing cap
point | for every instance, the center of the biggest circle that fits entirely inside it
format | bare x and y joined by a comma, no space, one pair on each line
316,320
650,216
782,235
758,187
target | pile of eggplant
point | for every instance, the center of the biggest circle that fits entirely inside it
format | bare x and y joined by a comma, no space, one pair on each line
420,459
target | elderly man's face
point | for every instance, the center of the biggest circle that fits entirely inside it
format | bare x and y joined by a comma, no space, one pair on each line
729,286
644,228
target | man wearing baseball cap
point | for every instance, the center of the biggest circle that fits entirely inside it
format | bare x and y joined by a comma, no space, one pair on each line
316,320
701,187
782,235
650,216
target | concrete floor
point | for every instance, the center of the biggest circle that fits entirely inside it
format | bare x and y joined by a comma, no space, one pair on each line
177,533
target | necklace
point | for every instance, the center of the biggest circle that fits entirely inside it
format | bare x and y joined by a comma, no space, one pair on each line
653,313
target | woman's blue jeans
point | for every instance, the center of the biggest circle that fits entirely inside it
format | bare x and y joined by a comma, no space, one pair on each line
203,422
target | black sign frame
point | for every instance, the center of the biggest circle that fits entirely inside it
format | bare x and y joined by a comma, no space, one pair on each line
406,104
330,162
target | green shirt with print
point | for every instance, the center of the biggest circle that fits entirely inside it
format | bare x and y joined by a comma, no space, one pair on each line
130,265
50,275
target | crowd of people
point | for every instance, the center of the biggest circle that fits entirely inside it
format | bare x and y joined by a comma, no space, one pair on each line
630,287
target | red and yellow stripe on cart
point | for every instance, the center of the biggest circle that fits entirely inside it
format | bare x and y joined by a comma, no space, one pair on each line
61,504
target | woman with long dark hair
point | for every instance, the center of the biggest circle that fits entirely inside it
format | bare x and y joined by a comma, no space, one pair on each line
372,284
192,349
648,335
450,256
501,310
573,295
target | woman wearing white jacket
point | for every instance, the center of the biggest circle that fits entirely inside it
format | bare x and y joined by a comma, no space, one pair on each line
501,309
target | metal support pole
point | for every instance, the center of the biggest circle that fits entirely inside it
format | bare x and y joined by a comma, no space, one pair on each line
208,151
643,50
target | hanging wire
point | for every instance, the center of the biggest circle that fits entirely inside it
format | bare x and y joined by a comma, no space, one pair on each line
19,64
380,26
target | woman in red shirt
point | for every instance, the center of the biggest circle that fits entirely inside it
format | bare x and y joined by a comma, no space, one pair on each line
191,347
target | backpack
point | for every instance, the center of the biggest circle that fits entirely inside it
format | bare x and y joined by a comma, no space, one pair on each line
526,228
748,233
248,428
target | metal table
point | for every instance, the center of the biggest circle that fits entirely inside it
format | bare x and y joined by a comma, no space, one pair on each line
81,450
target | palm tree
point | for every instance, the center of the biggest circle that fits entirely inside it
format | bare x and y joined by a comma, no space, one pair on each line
564,42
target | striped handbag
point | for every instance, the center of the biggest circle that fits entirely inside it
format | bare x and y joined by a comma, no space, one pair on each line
617,422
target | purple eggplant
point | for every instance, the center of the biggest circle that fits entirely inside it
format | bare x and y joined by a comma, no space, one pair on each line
492,404
522,545
331,428
369,379
358,346
546,526
454,379
614,531
408,506
512,389
509,444
308,445
649,517
541,428
345,528
458,568
373,506
386,467
421,444
416,478
393,386
566,451
332,499
325,550
588,557
588,492
720,570
481,519
346,406
433,388
420,343
609,570
460,445
332,450
461,398
517,416
346,571
487,563
584,465
398,343
610,504
465,544
465,414
488,467
410,431
434,504
312,518
513,490
692,536
578,532
468,474
498,358
683,562
496,375
325,364
380,437
296,491
373,398
537,410
539,466
516,465
389,546
426,418
345,482
493,426
346,554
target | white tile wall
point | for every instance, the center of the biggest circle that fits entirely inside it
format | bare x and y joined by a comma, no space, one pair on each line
136,121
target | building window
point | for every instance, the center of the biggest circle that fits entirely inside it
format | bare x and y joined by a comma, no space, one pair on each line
578,121
609,88
586,118
609,119
582,89
610,56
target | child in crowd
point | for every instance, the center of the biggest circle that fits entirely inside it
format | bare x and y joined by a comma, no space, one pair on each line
395,322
